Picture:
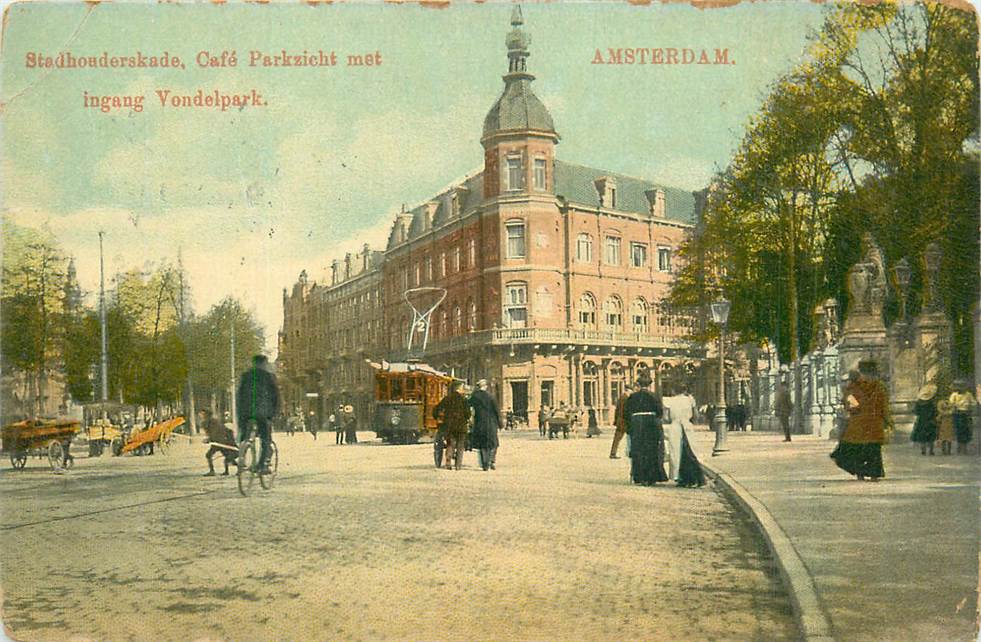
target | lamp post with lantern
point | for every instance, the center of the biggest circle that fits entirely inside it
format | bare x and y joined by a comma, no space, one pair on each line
720,315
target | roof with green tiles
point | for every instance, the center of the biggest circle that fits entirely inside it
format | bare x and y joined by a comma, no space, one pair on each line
577,184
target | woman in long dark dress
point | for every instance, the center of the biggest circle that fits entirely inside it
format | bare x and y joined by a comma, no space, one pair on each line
925,426
644,413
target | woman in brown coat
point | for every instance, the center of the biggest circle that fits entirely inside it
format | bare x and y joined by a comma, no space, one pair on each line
867,406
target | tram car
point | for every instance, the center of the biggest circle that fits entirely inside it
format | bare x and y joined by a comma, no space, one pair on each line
405,395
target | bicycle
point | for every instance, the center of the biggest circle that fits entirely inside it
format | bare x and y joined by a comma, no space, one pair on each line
248,462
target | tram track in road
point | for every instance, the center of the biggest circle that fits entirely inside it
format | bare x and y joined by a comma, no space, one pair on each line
60,518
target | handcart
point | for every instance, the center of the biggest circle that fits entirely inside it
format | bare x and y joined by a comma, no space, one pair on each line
159,435
40,437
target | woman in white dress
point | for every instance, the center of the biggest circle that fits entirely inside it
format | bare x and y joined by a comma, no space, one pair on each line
684,466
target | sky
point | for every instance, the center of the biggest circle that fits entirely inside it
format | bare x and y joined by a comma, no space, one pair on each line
250,197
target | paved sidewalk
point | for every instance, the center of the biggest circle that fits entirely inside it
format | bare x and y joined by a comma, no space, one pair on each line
892,560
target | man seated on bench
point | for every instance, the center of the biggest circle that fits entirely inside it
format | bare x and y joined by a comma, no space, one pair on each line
221,439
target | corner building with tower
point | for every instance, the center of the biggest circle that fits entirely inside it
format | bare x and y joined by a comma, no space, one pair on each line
556,277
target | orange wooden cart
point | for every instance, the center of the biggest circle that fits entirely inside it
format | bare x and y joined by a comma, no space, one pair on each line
159,435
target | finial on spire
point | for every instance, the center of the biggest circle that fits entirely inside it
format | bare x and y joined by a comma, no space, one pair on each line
517,43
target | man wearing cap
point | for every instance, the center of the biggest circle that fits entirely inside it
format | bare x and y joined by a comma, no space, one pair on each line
258,401
453,412
866,403
619,422
486,422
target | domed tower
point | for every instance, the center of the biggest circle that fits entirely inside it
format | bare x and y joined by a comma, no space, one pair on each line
519,138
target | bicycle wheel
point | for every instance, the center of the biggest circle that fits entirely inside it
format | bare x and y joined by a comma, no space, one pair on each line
246,467
267,479
56,456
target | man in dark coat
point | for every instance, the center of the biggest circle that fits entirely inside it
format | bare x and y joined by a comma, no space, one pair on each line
645,413
783,407
453,413
258,400
486,422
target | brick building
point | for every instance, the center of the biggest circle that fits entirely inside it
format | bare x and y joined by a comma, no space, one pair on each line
554,274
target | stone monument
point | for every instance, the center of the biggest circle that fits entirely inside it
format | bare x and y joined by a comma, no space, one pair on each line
864,334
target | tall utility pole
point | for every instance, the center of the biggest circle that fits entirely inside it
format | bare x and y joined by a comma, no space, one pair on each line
231,323
104,356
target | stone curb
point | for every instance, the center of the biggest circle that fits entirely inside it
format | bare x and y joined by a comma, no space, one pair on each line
812,620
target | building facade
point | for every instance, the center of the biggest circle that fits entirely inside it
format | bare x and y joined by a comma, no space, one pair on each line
555,275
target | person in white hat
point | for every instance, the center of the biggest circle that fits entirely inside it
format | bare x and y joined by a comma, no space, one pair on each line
925,425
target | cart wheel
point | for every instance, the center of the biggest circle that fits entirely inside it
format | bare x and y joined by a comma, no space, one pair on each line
116,447
56,456
18,459
163,444
267,480
246,467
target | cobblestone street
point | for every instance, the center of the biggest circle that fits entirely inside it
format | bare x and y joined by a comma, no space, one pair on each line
372,542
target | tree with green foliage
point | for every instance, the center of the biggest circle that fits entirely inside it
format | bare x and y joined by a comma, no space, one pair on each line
866,134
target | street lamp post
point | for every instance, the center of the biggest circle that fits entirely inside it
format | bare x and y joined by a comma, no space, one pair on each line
720,315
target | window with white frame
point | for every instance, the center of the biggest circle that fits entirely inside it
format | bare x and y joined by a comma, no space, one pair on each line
457,319
638,255
516,304
539,173
442,264
613,250
584,248
639,317
587,311
664,259
515,175
471,315
516,239
613,311
429,268
472,253
418,273
457,254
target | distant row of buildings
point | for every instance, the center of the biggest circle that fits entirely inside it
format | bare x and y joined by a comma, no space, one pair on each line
555,277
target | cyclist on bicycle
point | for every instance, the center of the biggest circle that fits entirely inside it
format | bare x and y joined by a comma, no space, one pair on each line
258,400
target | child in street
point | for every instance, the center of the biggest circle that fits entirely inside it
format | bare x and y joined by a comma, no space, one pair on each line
945,433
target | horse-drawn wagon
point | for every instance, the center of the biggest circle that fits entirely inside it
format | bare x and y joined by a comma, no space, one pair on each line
40,437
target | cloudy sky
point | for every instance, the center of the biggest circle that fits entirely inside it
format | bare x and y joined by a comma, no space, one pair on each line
253,196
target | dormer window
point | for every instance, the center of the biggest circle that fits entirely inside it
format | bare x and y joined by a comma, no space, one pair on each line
515,175
612,192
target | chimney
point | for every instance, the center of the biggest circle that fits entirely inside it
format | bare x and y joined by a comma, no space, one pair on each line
365,257
429,211
655,197
335,268
347,266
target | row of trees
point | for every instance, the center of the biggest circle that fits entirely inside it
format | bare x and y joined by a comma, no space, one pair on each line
159,351
875,131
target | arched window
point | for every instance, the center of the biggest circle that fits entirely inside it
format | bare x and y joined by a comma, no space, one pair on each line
444,323
584,248
457,319
472,253
638,316
587,311
471,315
613,312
